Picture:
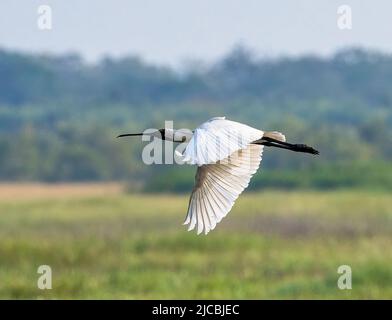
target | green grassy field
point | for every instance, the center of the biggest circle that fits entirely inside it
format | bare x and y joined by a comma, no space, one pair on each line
272,245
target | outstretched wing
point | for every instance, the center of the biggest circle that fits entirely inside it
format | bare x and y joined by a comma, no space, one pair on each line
218,185
218,138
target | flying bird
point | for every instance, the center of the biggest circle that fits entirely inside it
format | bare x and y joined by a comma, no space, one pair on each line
227,154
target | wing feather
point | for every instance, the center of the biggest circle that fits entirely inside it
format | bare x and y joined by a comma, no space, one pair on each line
212,209
218,185
217,139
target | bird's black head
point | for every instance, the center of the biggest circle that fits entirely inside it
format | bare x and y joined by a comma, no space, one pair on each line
162,131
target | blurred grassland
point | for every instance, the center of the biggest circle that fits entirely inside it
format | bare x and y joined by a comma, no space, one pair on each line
272,245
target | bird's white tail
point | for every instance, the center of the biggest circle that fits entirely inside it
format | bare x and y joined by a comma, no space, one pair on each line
275,135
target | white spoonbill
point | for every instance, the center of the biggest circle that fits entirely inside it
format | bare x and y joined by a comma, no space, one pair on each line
227,154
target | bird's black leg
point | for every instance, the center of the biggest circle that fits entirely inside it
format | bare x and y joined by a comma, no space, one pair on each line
270,142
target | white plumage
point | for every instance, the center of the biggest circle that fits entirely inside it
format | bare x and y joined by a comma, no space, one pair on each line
218,185
218,138
227,154
226,162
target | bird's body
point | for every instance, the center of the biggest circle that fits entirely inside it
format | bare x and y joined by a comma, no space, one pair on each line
227,154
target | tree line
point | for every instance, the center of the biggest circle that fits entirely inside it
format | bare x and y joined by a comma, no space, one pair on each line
59,115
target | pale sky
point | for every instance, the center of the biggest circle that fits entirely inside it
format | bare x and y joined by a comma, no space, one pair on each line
172,31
